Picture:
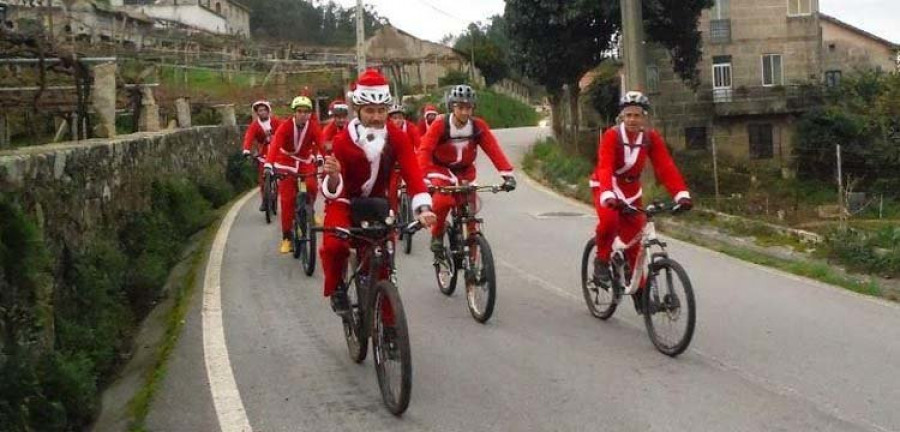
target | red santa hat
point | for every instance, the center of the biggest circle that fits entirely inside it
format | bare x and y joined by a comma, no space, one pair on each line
338,105
371,89
429,109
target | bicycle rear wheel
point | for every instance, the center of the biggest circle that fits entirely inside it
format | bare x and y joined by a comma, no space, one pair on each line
390,347
273,195
601,302
481,280
669,308
300,227
354,330
268,203
445,266
407,216
308,242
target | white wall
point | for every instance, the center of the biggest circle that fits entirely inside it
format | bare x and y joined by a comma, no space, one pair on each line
194,16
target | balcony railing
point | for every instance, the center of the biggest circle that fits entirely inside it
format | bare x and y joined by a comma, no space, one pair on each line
766,100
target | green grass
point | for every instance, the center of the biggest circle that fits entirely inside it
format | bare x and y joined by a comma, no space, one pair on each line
139,406
498,110
818,271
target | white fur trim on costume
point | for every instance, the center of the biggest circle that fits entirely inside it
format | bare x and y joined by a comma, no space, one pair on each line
451,178
379,88
682,195
632,152
268,165
333,195
605,196
294,169
507,174
430,112
629,200
420,199
593,184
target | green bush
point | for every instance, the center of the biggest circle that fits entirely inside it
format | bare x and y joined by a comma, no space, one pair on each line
875,252
240,173
454,77
105,288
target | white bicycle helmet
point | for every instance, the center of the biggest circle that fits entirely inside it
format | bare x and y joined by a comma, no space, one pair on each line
634,98
397,108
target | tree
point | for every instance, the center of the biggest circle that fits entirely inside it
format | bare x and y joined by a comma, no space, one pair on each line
555,42
491,47
604,92
305,22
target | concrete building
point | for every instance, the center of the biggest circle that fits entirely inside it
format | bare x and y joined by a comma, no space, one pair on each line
417,63
764,62
213,16
81,20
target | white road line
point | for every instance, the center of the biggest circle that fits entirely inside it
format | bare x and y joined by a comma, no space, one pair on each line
226,398
541,282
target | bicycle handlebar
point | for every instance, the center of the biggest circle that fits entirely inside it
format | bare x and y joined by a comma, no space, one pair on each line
654,209
467,189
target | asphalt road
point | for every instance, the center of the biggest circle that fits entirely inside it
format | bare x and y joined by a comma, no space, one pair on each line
771,351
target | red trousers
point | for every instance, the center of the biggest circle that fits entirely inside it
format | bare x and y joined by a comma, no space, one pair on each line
335,252
287,191
394,191
614,224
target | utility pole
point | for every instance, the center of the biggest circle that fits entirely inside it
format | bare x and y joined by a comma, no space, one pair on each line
633,44
472,42
360,38
840,183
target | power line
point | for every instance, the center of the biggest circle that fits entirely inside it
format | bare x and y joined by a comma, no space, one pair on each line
443,12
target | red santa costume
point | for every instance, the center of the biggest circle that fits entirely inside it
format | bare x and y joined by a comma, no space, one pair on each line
367,157
621,156
412,132
293,153
258,136
447,155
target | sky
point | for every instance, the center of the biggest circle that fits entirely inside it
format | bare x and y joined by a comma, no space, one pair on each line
432,19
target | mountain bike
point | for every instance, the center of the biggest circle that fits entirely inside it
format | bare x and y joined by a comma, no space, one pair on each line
376,310
659,286
303,239
468,250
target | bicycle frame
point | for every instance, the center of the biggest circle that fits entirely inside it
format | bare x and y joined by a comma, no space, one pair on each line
647,239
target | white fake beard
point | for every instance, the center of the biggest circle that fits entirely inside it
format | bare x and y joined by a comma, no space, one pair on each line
372,142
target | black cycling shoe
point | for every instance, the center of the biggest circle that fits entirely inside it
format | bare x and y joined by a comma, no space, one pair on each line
638,302
437,247
601,274
340,304
262,206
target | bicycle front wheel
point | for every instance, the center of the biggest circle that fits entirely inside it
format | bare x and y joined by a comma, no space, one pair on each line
445,267
481,280
390,347
669,308
354,330
407,214
300,228
601,302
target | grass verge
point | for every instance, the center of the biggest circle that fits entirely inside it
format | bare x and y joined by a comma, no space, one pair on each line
139,406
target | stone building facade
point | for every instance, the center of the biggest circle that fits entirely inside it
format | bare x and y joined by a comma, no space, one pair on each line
419,63
215,16
763,64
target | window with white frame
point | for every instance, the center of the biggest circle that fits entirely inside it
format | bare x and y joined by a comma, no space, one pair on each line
772,70
799,7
